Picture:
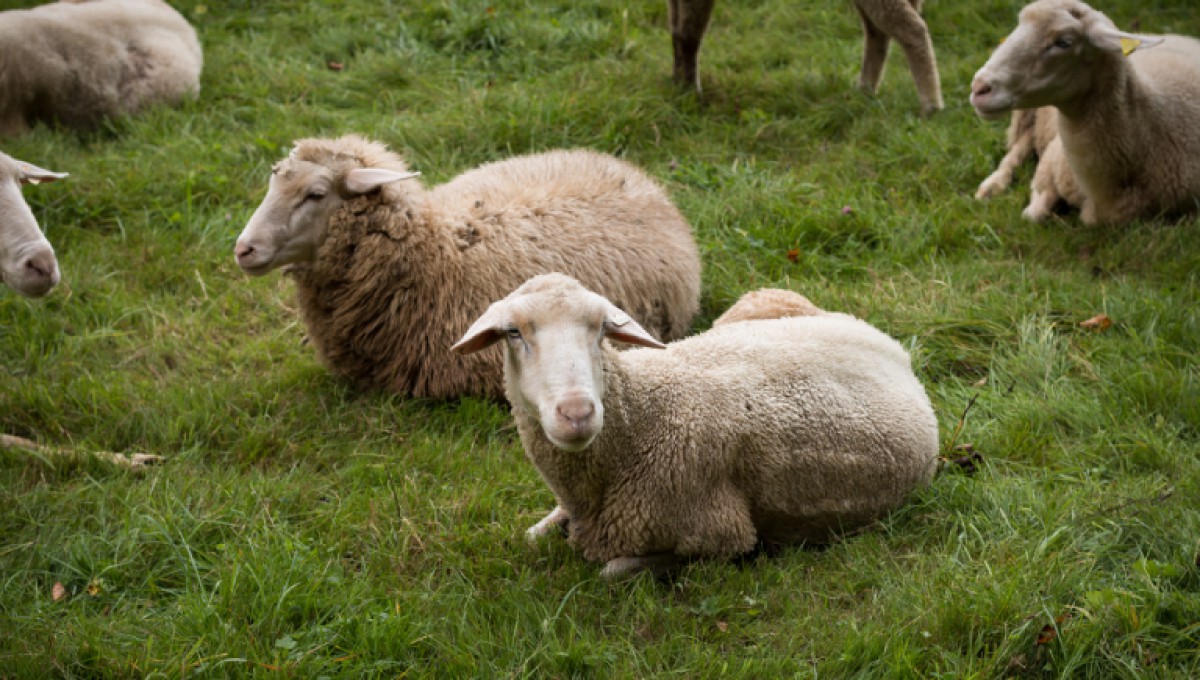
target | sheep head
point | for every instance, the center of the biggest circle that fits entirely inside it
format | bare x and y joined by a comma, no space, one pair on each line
1050,59
27,261
553,365
305,189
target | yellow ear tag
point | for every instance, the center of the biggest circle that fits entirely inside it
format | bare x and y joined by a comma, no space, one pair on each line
1128,45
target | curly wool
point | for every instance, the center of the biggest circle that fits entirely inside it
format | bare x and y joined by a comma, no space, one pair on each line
770,431
402,273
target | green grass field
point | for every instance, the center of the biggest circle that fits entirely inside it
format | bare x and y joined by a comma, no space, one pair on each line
303,527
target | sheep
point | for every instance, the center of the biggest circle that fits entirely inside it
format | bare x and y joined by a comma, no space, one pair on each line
387,273
882,20
76,64
1128,116
769,303
27,262
756,432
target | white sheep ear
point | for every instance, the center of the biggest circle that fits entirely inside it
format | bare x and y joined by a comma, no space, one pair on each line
366,180
32,174
1113,40
486,330
618,326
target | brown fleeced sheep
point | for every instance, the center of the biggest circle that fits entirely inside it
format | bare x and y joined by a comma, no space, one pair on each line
77,63
1128,110
772,431
27,262
389,273
882,20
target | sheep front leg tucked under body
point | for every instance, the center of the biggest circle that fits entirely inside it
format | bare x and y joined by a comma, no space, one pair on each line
557,519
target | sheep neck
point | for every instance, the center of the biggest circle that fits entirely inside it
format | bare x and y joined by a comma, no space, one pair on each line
1107,126
373,286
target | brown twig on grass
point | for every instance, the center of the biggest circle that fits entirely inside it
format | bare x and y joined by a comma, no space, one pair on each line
134,461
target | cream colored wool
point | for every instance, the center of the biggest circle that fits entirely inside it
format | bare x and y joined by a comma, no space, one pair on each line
398,274
768,303
882,20
78,63
1128,110
755,432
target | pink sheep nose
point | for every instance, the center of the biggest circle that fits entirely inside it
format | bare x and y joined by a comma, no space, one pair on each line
243,252
576,413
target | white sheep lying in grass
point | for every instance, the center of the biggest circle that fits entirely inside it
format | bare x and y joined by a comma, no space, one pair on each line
1128,110
78,63
762,431
27,261
389,274
882,20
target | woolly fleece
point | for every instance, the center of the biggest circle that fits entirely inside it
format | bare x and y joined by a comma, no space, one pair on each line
402,273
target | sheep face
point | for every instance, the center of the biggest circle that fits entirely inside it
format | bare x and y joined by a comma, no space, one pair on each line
287,226
1050,59
27,261
553,328
290,223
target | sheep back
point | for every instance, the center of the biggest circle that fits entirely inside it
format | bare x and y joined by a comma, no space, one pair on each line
401,276
772,431
78,63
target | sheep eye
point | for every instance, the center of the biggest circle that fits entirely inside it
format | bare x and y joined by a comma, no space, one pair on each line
514,334
314,195
1064,43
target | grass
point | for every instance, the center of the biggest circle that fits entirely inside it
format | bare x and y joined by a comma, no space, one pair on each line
305,527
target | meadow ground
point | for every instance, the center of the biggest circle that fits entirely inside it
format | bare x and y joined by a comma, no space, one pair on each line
305,527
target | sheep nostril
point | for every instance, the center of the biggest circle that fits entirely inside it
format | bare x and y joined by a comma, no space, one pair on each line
982,90
576,411
242,252
40,269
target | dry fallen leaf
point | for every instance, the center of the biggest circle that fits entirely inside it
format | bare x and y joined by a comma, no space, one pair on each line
336,66
1098,323
1050,630
93,588
793,255
723,626
58,592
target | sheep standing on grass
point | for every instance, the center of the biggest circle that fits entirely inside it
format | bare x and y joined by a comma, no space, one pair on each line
1128,111
78,63
882,20
389,274
27,261
771,431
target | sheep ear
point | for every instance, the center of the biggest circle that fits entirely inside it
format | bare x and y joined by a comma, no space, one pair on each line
32,174
486,330
1113,40
618,326
366,180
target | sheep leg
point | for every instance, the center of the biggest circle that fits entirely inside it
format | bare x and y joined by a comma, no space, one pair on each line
658,564
875,49
903,23
1041,204
557,519
689,20
1022,141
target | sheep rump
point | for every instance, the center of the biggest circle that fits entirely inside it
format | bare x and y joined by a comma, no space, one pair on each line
77,63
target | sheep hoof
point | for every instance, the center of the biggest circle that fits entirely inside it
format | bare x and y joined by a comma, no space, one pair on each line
992,186
1033,214
557,519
